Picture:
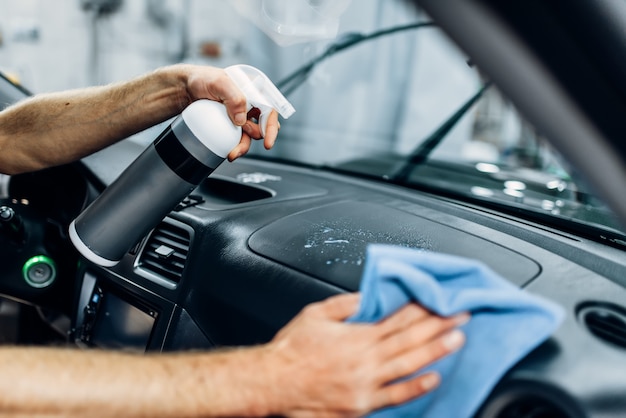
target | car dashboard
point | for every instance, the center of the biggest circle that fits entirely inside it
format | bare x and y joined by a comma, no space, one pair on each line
258,240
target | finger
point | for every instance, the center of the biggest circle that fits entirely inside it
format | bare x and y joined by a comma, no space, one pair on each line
241,148
420,356
401,392
421,330
252,129
271,130
337,307
401,319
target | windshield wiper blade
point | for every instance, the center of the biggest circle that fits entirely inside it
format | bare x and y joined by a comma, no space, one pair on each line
288,84
425,148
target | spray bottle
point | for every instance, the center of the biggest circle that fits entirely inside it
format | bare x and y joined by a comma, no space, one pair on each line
185,153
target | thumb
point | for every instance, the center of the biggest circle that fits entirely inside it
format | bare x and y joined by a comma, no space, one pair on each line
233,98
236,109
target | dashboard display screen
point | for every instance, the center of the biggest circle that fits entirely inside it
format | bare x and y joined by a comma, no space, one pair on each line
120,325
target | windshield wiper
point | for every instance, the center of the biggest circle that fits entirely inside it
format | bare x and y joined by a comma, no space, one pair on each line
288,84
401,173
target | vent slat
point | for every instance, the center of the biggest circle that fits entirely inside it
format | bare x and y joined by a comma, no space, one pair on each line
173,240
608,328
171,267
607,322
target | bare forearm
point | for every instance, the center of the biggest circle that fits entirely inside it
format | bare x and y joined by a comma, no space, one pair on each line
317,365
65,382
57,128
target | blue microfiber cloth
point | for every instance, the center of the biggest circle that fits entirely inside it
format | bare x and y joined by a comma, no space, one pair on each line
506,323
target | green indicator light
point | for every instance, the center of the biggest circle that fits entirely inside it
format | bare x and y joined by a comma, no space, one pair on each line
39,271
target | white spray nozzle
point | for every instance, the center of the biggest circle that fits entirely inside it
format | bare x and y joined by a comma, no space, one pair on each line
260,92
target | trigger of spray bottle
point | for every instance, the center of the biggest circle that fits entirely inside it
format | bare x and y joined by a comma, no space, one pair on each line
260,93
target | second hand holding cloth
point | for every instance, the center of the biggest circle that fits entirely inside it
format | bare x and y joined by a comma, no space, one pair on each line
507,322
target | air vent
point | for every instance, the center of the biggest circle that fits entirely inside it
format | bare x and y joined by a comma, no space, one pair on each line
532,407
165,253
606,321
520,398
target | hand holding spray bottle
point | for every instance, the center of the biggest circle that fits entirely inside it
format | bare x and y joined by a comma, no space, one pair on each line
185,153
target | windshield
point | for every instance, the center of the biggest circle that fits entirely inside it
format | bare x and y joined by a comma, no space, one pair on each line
407,107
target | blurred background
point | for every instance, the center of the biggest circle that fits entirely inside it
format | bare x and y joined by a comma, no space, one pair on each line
65,44
386,94
383,96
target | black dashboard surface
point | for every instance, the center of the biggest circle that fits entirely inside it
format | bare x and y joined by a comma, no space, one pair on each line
329,242
253,263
